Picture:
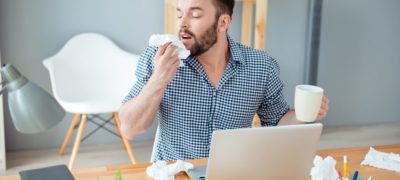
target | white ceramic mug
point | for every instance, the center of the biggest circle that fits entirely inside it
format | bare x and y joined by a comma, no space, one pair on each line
307,102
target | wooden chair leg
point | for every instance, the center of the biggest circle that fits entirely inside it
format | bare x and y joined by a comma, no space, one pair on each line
69,133
125,142
77,141
119,131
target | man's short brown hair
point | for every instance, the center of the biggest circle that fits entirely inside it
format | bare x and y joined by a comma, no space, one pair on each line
224,7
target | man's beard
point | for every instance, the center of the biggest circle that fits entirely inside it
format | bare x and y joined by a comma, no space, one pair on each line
205,42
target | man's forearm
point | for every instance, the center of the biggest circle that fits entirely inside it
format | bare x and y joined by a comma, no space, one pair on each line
139,113
289,118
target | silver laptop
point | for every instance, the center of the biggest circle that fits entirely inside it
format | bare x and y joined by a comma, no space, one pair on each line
281,152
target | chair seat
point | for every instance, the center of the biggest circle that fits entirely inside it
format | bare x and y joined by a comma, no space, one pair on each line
95,106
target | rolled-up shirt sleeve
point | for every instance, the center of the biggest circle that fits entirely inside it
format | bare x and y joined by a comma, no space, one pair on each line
143,72
274,105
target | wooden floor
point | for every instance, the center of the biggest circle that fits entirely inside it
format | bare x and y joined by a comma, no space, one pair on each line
114,154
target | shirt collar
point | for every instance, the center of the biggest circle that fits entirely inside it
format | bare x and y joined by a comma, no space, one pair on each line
236,53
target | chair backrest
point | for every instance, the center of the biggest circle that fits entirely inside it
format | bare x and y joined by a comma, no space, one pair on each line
91,67
259,29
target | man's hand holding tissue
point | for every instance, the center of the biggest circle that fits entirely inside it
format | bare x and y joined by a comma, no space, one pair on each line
139,113
166,63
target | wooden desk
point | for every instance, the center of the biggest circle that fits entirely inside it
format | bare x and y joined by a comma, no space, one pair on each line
355,156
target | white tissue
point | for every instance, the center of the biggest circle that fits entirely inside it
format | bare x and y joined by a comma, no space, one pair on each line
161,171
324,169
389,161
161,39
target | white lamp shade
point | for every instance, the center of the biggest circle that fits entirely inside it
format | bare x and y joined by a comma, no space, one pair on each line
32,109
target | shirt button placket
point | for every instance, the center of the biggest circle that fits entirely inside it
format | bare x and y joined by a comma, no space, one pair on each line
213,107
212,114
213,104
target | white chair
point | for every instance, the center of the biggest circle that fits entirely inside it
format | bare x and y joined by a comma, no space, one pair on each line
90,75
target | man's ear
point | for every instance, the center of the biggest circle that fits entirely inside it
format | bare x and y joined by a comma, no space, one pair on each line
224,22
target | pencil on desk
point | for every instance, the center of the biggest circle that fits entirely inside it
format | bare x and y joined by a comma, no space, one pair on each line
345,170
355,176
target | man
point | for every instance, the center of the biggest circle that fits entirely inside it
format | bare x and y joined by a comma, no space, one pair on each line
222,85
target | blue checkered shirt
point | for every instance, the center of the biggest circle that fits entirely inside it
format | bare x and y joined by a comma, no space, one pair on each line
191,108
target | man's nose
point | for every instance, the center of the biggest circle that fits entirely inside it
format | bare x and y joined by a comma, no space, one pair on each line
183,23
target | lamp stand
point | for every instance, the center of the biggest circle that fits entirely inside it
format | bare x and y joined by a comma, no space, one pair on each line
2,138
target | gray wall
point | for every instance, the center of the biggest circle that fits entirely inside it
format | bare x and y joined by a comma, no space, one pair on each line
360,60
34,30
287,40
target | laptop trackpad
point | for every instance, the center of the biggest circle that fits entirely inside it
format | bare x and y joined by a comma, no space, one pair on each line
197,173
